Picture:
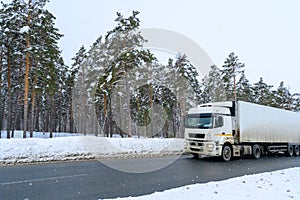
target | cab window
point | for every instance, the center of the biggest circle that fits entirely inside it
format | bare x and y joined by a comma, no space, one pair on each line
219,121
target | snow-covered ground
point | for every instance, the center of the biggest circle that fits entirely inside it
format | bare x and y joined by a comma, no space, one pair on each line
60,148
278,185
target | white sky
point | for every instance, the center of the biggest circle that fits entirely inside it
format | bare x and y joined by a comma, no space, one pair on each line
264,34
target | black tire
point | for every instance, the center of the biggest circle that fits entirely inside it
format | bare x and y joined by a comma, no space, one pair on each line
297,150
256,151
226,153
290,151
195,155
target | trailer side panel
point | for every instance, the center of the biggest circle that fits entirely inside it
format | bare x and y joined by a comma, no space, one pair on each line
262,124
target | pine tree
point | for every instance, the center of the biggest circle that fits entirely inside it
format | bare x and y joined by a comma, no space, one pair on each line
212,86
296,102
283,98
77,79
231,70
186,85
244,89
45,58
124,53
262,93
29,13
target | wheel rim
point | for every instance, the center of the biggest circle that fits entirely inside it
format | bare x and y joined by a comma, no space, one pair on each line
290,150
297,151
256,151
227,153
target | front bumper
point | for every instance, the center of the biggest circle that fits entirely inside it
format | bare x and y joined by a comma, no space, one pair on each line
203,148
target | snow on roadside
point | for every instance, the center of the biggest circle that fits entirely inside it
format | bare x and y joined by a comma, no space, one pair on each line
132,147
278,185
15,151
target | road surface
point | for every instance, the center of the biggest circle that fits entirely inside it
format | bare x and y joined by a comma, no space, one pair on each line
94,180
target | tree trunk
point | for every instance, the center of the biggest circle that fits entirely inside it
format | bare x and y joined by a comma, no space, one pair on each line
26,90
47,115
71,118
1,100
33,102
19,101
105,124
1,116
129,131
8,94
151,133
60,118
110,118
234,85
96,124
182,113
51,119
27,64
84,115
120,116
65,123
37,114
166,130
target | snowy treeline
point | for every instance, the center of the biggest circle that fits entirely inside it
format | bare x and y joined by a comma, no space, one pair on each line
230,83
33,75
115,87
132,93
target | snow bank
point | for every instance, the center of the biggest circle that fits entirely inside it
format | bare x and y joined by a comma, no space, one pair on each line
278,185
16,151
132,147
30,150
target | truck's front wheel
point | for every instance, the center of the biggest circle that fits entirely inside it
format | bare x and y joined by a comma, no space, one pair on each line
226,153
195,155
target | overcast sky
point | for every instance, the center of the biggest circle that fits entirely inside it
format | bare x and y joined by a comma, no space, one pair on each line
265,34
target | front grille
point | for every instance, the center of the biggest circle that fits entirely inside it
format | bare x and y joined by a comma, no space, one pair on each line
199,150
197,135
196,144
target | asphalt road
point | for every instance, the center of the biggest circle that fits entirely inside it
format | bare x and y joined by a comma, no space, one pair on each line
94,180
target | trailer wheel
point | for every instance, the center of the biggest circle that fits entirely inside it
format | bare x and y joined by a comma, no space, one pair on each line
296,150
290,150
226,153
256,151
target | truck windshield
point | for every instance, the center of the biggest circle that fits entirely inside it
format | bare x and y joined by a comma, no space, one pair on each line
200,121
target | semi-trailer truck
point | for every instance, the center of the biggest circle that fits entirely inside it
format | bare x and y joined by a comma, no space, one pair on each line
236,128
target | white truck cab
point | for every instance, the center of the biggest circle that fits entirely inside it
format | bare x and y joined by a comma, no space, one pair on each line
208,127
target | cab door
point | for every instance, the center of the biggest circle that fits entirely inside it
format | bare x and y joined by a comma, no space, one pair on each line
222,126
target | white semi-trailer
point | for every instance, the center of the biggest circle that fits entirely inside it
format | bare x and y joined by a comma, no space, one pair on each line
236,128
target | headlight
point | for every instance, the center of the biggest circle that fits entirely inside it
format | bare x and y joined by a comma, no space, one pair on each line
210,146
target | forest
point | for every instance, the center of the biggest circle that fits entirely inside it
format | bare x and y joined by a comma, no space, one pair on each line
116,86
